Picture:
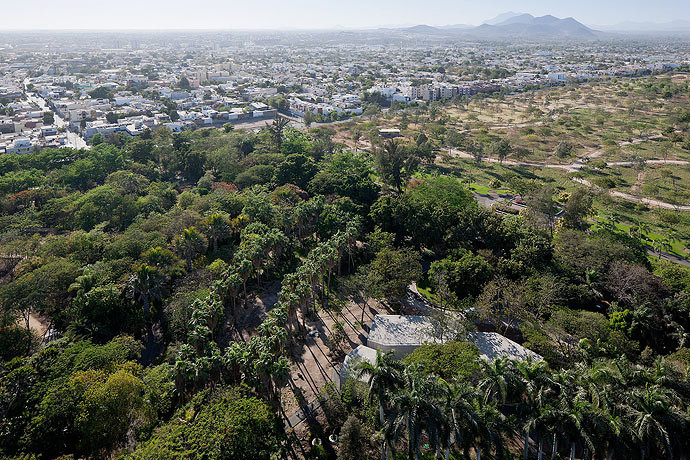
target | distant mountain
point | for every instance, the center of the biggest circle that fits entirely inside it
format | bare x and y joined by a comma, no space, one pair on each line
456,27
501,18
422,29
528,26
524,18
524,26
679,25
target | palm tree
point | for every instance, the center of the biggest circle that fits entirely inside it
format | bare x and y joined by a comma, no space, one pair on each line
490,425
276,129
498,378
146,285
191,243
390,161
458,402
217,228
384,377
655,421
244,268
231,284
417,408
532,385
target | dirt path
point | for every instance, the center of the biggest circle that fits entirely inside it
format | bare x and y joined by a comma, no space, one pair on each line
627,196
314,364
38,325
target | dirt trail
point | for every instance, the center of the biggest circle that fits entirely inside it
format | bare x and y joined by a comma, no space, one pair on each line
313,363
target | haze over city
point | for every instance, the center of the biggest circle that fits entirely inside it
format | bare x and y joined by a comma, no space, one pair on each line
316,14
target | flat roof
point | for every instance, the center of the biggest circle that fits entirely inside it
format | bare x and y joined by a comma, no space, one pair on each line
401,330
406,330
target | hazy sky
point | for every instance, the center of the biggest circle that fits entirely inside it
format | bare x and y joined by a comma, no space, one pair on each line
313,14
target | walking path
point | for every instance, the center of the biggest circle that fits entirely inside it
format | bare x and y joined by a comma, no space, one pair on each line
627,196
580,163
316,366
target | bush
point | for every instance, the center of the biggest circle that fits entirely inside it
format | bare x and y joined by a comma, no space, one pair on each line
225,424
449,360
351,440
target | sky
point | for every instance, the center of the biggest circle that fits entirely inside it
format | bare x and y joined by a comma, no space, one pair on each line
315,14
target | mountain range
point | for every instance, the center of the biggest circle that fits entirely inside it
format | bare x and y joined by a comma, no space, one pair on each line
513,25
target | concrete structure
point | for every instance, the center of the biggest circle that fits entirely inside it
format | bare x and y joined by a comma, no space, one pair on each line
346,371
404,334
389,133
400,334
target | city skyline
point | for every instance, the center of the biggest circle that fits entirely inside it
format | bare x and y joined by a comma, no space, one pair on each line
310,14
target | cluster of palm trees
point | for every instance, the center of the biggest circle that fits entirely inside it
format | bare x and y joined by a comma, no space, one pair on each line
260,362
310,283
609,409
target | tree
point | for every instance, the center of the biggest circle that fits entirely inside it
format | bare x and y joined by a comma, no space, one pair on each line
99,312
501,149
449,361
229,423
391,272
297,169
417,408
655,422
109,408
48,118
184,83
218,229
146,286
475,150
102,92
190,243
276,130
308,118
351,439
465,275
384,377
577,209
503,301
543,208
111,117
396,163
564,149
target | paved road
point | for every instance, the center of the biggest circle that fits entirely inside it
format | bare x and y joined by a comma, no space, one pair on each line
73,139
580,164
570,167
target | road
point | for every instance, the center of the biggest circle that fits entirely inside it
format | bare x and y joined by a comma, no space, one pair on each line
74,140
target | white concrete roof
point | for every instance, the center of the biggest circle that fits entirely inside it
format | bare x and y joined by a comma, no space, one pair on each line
396,330
399,330
492,345
361,353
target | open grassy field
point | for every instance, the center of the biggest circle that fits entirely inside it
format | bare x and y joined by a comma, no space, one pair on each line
618,131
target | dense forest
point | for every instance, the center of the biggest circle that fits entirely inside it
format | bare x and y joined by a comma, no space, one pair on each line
127,271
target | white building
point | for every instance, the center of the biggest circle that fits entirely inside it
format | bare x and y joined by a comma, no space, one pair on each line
404,334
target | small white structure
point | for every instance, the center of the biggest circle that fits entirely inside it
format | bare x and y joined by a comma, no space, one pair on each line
346,371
